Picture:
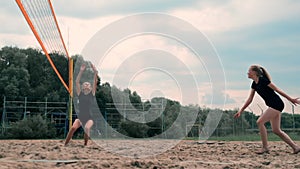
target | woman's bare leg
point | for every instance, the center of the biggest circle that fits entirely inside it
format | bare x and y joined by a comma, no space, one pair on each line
265,117
75,126
87,130
275,123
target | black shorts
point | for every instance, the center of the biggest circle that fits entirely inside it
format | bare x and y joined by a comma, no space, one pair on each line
276,104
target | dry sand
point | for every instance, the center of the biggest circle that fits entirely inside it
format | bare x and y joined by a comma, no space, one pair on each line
187,154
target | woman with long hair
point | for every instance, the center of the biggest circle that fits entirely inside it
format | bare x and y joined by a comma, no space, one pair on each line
268,91
86,93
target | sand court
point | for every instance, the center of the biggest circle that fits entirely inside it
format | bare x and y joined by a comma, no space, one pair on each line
123,154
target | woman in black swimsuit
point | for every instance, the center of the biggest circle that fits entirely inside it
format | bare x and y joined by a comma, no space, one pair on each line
85,97
266,89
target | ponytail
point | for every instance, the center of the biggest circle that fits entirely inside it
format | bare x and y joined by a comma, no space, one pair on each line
261,72
265,73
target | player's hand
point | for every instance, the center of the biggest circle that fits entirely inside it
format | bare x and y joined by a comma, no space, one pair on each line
82,68
295,101
237,115
94,68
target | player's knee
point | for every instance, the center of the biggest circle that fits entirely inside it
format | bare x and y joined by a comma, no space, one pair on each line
277,131
259,122
74,128
87,129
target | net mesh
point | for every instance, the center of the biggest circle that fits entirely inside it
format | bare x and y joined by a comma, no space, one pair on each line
44,21
41,18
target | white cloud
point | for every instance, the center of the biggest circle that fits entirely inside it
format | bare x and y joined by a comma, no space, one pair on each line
132,46
147,86
95,8
207,17
237,14
11,24
77,32
24,41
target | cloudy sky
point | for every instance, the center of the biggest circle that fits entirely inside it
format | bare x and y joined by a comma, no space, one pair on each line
166,63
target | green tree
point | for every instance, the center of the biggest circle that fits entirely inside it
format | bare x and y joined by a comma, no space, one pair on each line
37,72
32,127
12,56
286,120
134,129
14,81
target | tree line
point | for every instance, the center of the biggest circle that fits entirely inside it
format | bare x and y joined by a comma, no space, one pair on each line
27,73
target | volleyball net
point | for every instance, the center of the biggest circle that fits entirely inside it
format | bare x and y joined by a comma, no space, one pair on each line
41,19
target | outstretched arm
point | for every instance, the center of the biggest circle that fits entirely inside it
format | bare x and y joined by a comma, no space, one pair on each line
95,80
295,101
82,68
246,104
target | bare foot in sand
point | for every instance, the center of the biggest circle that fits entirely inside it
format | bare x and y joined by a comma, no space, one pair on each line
296,150
263,151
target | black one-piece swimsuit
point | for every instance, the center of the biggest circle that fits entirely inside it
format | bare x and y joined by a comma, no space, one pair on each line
85,102
268,94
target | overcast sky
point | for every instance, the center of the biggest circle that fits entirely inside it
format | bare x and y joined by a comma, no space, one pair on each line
242,32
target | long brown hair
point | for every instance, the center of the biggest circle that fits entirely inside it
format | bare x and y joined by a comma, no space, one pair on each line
260,71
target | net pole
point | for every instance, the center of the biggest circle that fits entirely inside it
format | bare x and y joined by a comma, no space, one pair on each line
71,91
40,42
